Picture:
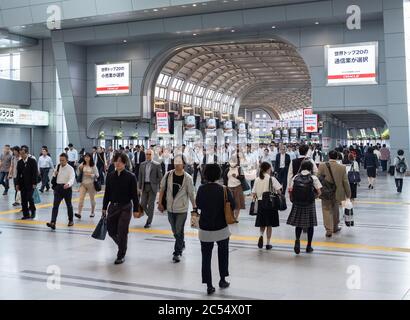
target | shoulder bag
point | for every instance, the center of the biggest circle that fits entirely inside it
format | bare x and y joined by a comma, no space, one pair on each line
353,175
229,215
164,197
328,188
279,199
241,177
54,179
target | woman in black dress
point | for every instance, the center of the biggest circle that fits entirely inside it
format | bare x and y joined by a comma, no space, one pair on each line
265,219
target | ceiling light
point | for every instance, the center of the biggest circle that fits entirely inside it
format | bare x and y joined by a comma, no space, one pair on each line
125,41
232,30
273,27
194,34
194,5
23,27
317,22
183,6
155,10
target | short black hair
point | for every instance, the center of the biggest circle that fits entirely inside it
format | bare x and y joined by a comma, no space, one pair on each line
306,165
16,148
70,145
333,154
64,155
25,148
7,145
400,152
303,149
120,156
212,172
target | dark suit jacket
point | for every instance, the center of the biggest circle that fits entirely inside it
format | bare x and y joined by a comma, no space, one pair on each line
27,174
277,162
169,167
142,158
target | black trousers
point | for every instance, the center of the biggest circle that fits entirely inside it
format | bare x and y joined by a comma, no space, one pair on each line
44,178
223,260
384,165
59,194
196,171
137,170
283,178
27,202
399,184
118,223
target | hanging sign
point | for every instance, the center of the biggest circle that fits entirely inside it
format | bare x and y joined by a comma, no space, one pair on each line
23,117
162,123
113,78
352,64
310,121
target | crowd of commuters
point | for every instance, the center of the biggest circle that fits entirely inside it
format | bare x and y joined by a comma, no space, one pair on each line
136,177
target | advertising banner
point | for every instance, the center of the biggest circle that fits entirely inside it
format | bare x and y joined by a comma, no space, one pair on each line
310,121
352,64
23,117
113,78
162,123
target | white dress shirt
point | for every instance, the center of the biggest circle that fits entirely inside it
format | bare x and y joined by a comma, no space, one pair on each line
66,175
72,155
262,185
232,181
45,162
282,160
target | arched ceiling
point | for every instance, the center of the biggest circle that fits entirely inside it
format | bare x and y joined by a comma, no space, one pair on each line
269,74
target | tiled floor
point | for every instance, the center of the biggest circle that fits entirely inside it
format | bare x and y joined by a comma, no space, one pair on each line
368,261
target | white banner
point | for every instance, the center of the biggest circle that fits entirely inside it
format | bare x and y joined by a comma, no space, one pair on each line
162,123
352,64
310,121
23,117
112,79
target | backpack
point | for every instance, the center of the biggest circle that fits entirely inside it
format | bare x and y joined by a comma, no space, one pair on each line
401,166
303,191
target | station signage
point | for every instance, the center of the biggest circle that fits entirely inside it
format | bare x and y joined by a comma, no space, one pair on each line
272,124
112,78
351,64
162,123
23,117
310,121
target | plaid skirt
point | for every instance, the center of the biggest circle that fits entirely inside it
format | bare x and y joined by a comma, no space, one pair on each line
303,217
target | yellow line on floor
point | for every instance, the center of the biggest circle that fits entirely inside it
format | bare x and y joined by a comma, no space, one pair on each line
325,244
47,205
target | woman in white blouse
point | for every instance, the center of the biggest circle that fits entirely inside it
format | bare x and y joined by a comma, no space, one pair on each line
265,219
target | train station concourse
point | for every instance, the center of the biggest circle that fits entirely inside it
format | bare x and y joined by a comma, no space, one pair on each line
137,136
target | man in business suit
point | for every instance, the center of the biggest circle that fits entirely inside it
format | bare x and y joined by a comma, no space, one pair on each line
149,179
139,157
27,175
330,208
282,163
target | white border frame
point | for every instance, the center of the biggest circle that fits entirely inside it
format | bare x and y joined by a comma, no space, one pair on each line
357,83
113,94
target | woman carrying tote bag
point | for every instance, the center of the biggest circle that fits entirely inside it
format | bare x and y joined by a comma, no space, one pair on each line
213,227
266,217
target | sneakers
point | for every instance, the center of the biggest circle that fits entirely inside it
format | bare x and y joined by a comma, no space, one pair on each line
260,242
297,246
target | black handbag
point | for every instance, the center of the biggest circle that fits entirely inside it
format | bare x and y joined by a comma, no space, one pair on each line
280,202
244,184
80,176
268,198
54,179
97,185
353,176
101,229
253,208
